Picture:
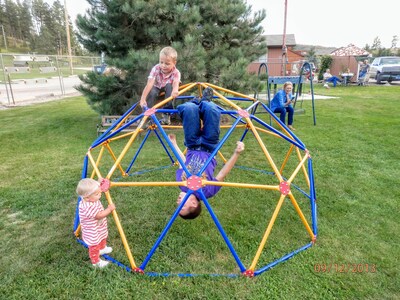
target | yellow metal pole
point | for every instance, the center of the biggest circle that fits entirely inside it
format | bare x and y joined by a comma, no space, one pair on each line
204,182
121,123
226,100
95,169
303,166
126,148
215,87
230,126
297,169
162,103
264,149
174,183
124,135
266,131
121,232
78,230
172,126
222,156
98,160
184,86
300,213
242,185
267,232
115,158
286,159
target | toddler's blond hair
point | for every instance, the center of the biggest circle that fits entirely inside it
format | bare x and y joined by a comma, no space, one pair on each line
86,187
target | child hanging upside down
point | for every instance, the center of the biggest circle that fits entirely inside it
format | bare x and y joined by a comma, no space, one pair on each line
201,142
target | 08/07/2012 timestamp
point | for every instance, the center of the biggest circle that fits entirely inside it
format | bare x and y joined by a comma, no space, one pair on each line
345,268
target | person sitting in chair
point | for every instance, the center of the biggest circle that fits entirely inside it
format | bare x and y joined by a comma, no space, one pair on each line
282,104
328,77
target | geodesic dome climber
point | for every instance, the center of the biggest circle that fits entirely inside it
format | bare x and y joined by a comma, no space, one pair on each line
277,170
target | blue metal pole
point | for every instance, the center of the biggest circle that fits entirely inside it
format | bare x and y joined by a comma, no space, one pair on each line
101,137
244,134
279,121
165,231
220,144
297,142
313,198
282,259
181,162
83,175
105,135
163,144
138,151
113,260
223,234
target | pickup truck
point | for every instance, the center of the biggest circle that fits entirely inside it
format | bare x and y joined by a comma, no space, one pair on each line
385,68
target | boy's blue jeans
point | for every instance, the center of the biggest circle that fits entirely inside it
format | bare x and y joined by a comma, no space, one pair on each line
197,138
282,111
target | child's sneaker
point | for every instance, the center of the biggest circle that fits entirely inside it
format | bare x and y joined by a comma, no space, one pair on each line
208,94
106,250
166,120
101,264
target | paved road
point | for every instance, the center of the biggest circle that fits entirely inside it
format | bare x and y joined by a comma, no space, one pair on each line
38,90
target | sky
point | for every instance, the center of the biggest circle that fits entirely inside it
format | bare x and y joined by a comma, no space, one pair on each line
336,23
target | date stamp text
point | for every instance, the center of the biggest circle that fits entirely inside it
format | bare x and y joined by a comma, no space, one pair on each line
344,268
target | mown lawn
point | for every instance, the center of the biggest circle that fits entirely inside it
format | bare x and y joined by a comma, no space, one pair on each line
354,148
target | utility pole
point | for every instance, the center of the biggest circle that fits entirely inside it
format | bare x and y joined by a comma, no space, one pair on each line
68,38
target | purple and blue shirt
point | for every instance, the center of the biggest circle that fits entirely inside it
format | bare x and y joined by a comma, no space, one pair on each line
195,160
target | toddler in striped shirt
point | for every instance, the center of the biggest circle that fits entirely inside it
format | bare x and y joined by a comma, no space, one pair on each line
93,220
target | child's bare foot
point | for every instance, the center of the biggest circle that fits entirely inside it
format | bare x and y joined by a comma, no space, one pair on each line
291,127
172,137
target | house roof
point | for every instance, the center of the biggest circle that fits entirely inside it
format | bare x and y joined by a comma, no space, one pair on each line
276,40
350,50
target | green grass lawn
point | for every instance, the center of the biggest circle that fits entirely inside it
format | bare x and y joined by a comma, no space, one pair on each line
355,154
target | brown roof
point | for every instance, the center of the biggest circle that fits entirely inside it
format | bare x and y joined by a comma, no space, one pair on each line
350,50
275,40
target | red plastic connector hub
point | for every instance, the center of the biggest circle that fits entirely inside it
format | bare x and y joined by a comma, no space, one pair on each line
194,183
284,187
105,185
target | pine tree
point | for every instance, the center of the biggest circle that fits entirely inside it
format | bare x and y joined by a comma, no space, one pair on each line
25,20
10,18
39,26
216,40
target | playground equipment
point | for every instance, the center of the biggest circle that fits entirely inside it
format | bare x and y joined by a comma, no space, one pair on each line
282,162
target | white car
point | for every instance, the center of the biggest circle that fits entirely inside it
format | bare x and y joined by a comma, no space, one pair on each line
385,68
